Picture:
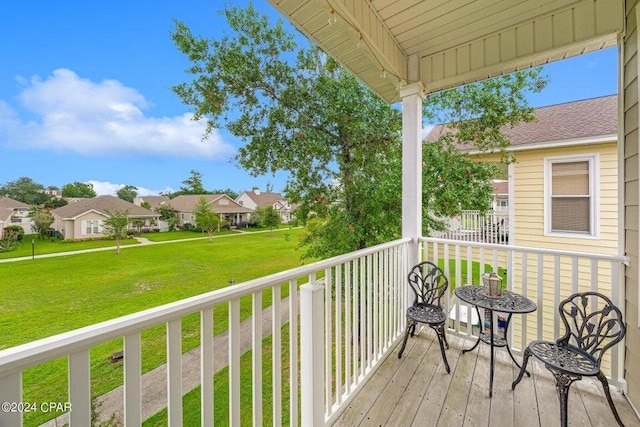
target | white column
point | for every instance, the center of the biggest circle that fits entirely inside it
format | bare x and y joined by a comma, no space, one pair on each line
412,96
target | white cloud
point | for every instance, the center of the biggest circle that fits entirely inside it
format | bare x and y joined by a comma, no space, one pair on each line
78,115
107,188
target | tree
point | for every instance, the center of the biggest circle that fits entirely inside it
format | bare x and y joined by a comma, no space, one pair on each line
145,205
270,218
193,184
229,192
169,215
299,111
78,189
54,203
42,221
25,190
206,219
116,225
128,193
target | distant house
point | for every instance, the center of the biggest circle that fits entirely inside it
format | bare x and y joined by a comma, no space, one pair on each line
562,191
13,212
257,199
154,201
500,195
84,218
222,204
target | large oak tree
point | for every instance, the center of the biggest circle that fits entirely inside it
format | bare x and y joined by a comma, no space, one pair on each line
298,110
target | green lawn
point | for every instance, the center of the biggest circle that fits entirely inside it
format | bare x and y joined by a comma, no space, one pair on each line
256,229
181,235
53,295
46,246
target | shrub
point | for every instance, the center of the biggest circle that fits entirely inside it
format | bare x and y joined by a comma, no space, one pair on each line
8,243
15,231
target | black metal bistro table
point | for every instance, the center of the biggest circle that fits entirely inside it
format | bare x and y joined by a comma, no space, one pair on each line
509,302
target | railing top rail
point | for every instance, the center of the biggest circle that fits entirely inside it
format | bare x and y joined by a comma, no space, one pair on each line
514,248
32,353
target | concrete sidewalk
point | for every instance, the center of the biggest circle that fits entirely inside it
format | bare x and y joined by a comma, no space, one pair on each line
154,383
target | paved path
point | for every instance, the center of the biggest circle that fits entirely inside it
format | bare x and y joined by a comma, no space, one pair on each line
154,383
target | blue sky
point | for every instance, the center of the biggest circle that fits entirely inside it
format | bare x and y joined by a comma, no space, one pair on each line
85,95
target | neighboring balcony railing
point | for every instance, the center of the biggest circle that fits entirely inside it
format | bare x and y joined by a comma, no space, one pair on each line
474,226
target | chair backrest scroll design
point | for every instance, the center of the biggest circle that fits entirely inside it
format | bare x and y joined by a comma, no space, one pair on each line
428,282
592,323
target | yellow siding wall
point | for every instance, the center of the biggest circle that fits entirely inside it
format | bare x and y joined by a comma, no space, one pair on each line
529,200
528,207
630,147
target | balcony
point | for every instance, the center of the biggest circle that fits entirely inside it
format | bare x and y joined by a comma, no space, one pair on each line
346,316
474,226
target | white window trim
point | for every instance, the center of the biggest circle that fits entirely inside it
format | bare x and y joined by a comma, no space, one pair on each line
594,183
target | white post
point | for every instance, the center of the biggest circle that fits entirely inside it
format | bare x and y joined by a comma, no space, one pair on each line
412,96
11,391
311,354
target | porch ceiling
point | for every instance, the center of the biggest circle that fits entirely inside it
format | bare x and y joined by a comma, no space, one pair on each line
446,43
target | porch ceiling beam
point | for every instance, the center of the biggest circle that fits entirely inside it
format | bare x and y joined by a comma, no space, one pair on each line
457,41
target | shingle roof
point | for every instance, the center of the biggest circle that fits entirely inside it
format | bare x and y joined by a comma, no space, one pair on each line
155,201
13,204
188,203
5,213
589,118
102,204
264,199
500,187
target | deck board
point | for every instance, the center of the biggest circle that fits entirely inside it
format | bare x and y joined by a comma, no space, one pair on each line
416,390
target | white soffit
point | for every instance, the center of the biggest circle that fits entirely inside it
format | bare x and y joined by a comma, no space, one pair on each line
456,41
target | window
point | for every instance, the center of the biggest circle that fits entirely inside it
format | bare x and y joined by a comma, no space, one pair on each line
571,196
91,227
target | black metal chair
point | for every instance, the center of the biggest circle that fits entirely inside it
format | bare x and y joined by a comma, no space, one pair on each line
593,325
428,283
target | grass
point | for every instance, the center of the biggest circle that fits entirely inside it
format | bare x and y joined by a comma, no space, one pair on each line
46,246
257,229
191,400
181,235
50,296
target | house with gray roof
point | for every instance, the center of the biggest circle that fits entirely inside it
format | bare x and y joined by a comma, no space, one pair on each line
562,189
257,199
84,218
14,212
154,201
229,209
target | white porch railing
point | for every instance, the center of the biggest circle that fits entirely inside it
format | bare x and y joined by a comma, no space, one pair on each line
545,276
352,314
341,343
472,226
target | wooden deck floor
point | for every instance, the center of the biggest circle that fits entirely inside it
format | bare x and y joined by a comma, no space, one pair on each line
417,391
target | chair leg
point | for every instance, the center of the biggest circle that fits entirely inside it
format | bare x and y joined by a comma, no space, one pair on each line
406,336
605,385
563,382
413,329
441,340
523,369
444,335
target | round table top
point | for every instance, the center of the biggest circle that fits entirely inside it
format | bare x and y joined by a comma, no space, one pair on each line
508,302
